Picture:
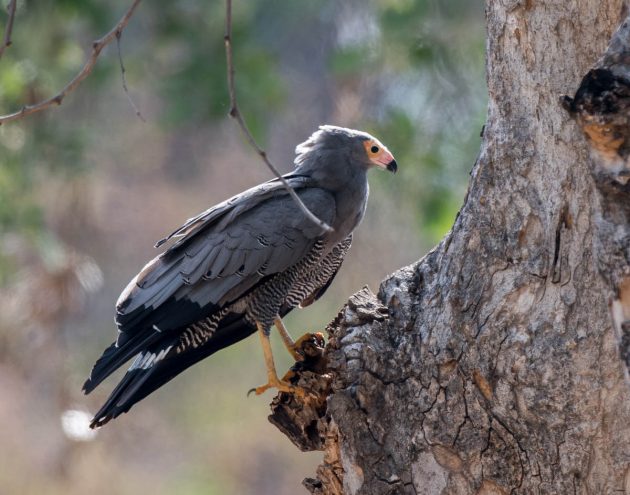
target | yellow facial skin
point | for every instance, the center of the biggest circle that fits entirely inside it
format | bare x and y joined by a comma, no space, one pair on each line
379,155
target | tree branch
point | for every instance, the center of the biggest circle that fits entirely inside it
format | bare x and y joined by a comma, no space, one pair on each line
9,27
235,113
124,79
97,47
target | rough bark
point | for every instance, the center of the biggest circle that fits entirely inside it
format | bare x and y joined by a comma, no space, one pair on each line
494,365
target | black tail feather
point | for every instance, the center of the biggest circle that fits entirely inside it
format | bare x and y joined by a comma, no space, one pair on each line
113,357
138,383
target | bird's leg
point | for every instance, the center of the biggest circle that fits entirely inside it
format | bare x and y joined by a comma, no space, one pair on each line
272,376
286,339
294,347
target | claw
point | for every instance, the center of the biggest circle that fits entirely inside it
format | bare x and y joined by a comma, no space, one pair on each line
282,386
272,377
302,344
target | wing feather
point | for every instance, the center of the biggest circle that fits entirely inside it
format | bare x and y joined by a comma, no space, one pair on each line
219,256
265,236
232,207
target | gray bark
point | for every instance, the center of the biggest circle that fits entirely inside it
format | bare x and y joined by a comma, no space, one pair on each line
495,364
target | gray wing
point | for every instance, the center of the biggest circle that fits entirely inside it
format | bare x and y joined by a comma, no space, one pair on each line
219,256
235,205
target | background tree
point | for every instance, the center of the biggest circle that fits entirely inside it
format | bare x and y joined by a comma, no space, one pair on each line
493,365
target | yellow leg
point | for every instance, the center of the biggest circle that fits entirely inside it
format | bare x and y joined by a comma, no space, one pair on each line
286,338
272,376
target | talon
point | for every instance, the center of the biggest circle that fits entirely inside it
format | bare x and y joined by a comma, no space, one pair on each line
289,376
297,349
282,387
299,392
316,338
272,377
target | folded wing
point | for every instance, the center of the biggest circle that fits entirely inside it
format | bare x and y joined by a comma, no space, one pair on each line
218,257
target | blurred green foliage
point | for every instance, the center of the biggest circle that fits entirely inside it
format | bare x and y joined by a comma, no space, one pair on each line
182,52
193,83
434,120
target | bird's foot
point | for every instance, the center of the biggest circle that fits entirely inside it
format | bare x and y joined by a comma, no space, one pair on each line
282,386
295,352
307,339
303,347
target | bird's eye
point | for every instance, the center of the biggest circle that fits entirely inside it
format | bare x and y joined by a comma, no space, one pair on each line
374,149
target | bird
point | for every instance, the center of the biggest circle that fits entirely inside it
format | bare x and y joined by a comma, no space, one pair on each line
239,267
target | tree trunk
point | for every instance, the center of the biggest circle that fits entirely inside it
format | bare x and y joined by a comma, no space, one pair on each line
493,365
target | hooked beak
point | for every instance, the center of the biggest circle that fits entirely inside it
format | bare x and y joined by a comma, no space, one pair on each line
386,161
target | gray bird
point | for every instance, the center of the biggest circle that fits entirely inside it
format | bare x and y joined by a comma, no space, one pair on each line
239,267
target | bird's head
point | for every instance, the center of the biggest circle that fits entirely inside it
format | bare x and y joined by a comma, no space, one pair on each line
331,147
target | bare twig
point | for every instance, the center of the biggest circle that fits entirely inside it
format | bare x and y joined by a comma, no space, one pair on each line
97,47
9,27
236,114
124,79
